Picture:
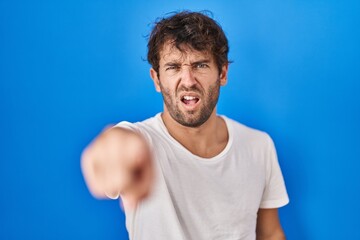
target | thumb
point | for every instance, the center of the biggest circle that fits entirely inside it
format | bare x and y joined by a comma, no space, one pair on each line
128,203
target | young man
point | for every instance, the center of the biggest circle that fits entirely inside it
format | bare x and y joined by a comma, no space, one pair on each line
188,173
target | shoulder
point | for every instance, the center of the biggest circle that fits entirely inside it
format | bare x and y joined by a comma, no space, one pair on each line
244,133
140,125
148,127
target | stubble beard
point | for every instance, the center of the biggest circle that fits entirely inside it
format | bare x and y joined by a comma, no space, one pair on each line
192,119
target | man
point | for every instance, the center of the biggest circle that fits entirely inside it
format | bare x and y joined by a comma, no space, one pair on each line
188,173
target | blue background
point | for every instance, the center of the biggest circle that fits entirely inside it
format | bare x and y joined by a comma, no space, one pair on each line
68,68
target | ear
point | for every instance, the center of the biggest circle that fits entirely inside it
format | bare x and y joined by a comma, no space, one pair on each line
224,74
154,77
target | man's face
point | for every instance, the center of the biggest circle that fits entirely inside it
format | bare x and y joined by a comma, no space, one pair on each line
189,82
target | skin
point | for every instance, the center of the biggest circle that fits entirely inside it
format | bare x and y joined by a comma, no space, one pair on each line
118,161
192,73
268,225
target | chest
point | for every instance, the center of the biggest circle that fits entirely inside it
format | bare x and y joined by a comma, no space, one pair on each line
221,196
235,178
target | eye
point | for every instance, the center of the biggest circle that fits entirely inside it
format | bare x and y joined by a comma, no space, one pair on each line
202,65
172,67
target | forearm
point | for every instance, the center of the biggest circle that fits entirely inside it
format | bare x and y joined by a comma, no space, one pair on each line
278,235
268,225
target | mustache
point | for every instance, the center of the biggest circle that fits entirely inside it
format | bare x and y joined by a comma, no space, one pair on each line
189,89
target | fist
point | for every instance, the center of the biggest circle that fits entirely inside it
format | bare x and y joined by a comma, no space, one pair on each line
118,163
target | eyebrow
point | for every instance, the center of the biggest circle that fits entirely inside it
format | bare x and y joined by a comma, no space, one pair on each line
175,63
170,64
201,61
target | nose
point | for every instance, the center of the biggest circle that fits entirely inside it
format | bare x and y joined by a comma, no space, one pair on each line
187,76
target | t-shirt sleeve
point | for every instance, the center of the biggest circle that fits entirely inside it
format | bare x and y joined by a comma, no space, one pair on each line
136,127
275,194
128,125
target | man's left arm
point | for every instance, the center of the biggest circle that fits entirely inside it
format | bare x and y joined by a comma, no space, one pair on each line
268,225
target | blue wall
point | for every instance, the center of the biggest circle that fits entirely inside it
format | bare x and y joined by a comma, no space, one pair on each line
68,68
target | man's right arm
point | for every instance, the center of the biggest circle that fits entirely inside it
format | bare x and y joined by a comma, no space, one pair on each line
118,162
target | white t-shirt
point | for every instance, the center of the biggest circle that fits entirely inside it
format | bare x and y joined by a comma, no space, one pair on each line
207,198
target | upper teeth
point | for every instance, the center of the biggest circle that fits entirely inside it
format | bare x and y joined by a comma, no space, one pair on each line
189,98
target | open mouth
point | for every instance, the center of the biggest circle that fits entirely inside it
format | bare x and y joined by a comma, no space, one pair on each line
189,100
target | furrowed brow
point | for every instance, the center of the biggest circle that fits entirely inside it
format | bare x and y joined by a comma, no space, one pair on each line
171,64
201,61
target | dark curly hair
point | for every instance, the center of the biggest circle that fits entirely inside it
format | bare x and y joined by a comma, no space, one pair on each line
194,29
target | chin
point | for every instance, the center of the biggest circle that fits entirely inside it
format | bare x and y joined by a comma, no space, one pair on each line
192,122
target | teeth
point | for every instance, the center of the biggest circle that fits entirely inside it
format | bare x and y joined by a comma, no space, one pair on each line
188,98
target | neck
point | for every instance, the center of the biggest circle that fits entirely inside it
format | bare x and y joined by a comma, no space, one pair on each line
206,141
